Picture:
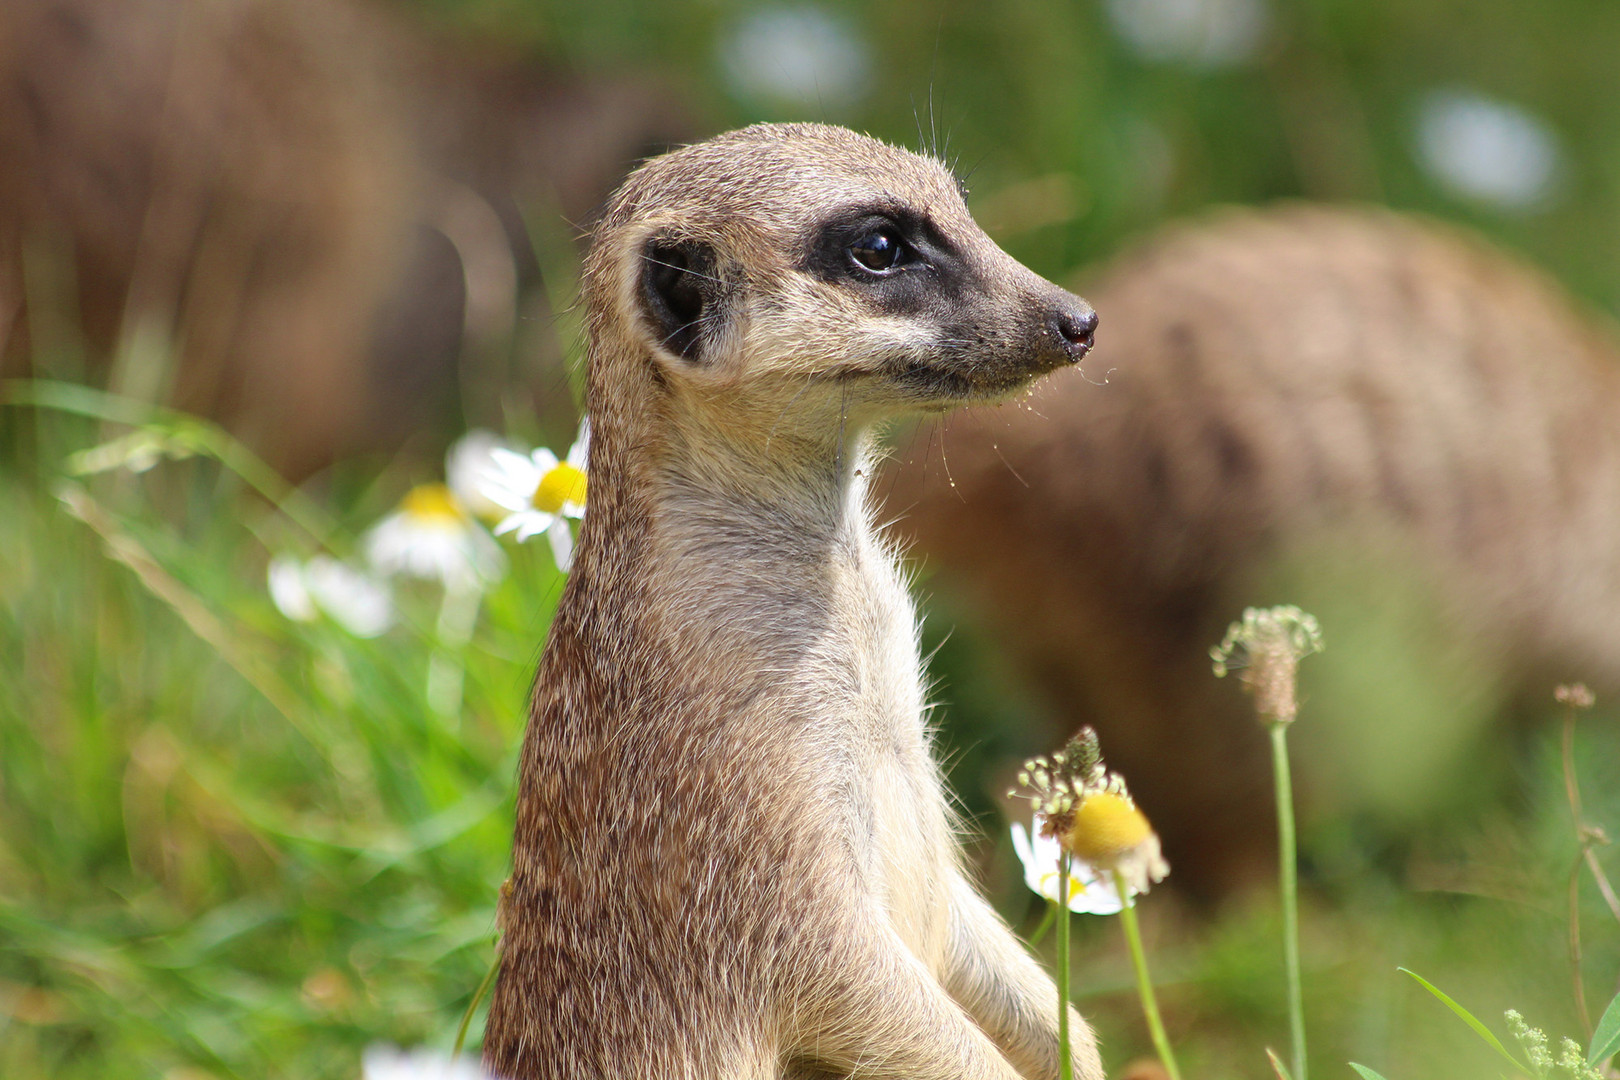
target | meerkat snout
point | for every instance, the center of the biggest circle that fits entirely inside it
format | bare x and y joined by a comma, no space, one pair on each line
1075,326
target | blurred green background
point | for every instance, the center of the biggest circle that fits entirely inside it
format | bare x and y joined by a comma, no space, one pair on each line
232,844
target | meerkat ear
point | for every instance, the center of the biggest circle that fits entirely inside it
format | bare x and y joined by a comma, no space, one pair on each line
677,290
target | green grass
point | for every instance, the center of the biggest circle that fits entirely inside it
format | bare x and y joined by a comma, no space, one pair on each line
253,854
235,846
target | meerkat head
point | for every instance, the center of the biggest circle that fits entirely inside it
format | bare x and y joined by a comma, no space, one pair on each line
785,268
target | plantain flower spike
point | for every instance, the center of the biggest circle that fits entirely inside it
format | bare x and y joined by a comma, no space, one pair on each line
1575,696
1265,647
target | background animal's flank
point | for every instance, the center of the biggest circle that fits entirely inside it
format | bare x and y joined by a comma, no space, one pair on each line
1383,419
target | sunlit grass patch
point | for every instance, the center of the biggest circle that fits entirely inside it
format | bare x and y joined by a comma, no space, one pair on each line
229,841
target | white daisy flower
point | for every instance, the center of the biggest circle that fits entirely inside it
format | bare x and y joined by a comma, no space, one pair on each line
469,460
541,493
288,591
350,597
1488,150
1090,891
798,55
1109,834
1207,34
392,1063
432,536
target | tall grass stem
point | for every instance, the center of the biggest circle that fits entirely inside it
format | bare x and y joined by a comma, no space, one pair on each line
1288,870
447,667
472,1006
205,437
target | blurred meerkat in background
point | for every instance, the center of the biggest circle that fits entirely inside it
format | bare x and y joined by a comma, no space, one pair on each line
1384,420
308,206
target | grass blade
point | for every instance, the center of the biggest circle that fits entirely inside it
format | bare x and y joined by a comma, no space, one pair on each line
472,1006
1606,1039
1366,1073
1468,1018
1277,1066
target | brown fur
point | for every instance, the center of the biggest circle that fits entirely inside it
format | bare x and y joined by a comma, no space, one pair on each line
734,856
1374,417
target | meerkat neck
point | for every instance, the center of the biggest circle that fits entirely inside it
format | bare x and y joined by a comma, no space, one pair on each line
814,488
721,469
748,549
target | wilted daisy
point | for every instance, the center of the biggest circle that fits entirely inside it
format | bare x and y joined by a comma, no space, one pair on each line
351,598
541,493
432,536
391,1063
1087,815
1109,834
1086,810
1089,892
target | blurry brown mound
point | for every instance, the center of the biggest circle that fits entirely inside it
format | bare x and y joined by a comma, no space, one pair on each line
1410,435
310,206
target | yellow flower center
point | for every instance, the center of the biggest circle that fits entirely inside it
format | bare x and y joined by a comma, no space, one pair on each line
1106,827
432,504
562,484
1076,886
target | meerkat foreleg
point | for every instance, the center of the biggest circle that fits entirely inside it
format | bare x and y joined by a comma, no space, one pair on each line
992,975
877,1012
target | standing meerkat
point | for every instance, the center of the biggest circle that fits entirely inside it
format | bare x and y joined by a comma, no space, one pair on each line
734,854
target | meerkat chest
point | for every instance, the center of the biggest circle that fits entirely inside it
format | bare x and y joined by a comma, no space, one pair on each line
901,822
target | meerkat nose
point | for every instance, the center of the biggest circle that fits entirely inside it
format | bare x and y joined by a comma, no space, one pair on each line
1074,324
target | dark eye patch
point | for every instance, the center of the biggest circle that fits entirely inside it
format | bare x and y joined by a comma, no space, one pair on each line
865,244
893,255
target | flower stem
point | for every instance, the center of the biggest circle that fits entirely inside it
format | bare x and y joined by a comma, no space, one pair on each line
1287,859
1065,1058
447,667
1046,924
1144,984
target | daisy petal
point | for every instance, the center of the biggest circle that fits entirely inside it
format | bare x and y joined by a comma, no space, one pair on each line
578,453
288,591
562,543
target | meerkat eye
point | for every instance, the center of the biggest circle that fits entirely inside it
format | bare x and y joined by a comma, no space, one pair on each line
880,250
